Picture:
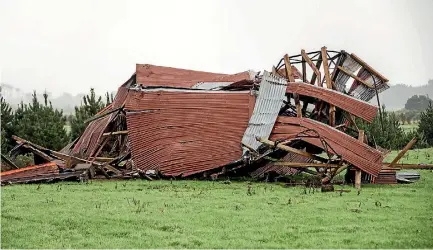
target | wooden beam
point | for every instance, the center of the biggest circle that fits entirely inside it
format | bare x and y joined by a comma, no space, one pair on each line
305,165
368,67
361,134
9,162
123,132
304,71
289,72
402,153
290,149
358,179
345,71
328,84
326,68
316,71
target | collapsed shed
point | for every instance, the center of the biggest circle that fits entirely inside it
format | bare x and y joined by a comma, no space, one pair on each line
182,123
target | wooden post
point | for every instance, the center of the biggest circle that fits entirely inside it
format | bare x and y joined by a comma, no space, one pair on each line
304,71
289,73
328,84
358,171
358,178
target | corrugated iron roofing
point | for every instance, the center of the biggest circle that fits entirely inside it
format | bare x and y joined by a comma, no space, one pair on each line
90,138
353,151
151,75
268,104
350,104
186,132
48,168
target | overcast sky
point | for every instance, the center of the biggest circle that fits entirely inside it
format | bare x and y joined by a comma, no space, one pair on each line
70,46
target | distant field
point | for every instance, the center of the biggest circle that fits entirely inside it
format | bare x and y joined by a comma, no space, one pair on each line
67,128
193,214
409,127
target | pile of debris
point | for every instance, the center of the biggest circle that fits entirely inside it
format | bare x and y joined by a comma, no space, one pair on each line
176,123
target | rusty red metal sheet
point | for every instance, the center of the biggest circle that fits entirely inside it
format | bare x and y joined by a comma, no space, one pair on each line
186,132
90,138
121,96
350,104
353,151
151,75
48,168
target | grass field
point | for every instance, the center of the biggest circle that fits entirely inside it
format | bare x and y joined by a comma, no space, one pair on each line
409,127
192,214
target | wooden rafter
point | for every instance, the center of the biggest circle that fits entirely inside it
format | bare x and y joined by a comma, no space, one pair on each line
316,71
345,71
368,67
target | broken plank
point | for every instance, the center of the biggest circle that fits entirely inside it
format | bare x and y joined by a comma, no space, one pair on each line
402,153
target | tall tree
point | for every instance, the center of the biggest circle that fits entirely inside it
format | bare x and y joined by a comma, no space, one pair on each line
41,123
90,106
426,124
6,125
417,102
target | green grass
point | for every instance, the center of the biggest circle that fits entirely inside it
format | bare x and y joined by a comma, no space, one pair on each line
192,214
409,127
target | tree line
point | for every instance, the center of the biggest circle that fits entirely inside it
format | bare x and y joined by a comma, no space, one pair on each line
45,125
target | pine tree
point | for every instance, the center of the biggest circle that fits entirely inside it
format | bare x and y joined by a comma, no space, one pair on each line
426,124
41,123
89,107
6,126
391,136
